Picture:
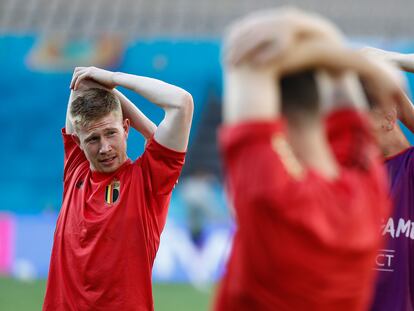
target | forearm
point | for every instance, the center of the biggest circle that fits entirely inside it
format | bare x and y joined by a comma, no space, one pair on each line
325,55
250,94
69,129
406,112
173,131
160,93
138,120
405,62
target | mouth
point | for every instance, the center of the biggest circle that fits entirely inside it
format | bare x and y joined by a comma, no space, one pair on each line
108,161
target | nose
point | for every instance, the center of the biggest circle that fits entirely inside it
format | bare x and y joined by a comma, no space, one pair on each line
105,146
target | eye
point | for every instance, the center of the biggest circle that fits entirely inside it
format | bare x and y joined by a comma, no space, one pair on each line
92,140
111,133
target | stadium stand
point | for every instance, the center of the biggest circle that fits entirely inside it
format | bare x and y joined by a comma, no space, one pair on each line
187,18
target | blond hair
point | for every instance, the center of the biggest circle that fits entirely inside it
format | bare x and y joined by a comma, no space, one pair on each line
92,105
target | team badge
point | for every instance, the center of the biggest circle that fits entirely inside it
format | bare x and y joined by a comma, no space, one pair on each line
112,192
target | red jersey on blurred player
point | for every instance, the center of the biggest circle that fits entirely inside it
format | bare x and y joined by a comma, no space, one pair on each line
302,243
308,192
114,210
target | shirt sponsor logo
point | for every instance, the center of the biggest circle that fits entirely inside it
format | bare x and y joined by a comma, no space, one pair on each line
112,192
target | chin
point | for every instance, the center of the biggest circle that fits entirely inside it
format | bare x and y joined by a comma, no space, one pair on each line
110,169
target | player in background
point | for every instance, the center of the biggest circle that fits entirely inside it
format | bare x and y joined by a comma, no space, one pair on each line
395,262
114,209
303,173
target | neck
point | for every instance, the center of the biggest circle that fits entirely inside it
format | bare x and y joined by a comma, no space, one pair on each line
310,145
393,142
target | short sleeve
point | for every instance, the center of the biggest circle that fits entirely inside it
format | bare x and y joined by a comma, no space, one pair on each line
74,156
257,158
161,167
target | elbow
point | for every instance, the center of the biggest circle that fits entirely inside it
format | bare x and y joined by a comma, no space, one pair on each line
187,104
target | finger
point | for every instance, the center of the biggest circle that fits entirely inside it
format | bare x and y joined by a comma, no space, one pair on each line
72,81
78,71
84,75
247,45
272,52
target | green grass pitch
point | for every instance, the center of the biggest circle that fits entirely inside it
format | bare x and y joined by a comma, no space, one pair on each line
28,296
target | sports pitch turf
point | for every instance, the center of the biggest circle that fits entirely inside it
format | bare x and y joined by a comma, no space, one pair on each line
19,296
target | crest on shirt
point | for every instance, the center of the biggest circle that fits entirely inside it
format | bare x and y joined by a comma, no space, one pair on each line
288,158
112,192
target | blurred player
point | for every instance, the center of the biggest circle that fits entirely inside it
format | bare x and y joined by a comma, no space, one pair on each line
308,202
395,284
114,209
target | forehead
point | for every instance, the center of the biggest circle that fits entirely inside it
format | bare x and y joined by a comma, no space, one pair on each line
110,121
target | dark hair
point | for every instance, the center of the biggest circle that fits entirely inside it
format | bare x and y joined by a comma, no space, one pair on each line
92,105
299,95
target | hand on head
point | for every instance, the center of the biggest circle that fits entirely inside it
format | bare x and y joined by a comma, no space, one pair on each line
261,38
91,76
290,41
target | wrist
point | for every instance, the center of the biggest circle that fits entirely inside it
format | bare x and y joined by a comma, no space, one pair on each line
115,78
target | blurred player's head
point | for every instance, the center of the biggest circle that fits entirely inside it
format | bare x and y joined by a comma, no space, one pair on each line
100,129
299,96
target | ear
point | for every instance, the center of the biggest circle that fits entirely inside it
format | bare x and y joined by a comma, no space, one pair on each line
77,140
126,125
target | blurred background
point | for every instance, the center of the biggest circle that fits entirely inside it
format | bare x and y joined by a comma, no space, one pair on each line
178,41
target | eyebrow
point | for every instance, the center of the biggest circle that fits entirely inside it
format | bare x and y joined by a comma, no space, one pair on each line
110,129
90,137
93,135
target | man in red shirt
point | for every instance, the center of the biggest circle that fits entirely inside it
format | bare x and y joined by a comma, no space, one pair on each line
308,188
114,209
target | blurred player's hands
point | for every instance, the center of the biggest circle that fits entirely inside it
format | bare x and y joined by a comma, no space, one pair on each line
263,37
84,74
404,61
379,54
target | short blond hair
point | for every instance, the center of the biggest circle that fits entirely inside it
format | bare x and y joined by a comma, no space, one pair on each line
92,105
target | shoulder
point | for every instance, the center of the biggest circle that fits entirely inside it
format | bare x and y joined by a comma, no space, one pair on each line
249,133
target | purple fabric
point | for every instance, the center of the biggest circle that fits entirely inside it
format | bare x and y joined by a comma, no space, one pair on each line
395,263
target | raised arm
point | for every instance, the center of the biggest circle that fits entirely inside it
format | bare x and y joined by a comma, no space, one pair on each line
173,131
405,108
69,129
404,61
405,113
256,52
138,120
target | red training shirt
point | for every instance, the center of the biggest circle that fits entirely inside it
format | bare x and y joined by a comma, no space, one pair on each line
108,231
303,243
